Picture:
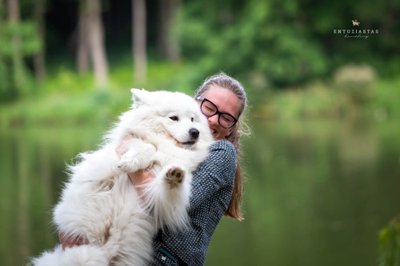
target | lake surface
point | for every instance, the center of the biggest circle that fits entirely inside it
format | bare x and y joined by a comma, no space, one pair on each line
317,192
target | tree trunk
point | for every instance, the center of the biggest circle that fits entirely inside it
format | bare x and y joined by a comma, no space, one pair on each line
39,58
162,27
168,40
82,40
139,40
96,42
16,57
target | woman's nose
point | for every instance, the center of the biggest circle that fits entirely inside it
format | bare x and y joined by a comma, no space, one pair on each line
213,120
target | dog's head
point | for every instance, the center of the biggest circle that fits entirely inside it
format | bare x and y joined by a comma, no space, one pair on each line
173,114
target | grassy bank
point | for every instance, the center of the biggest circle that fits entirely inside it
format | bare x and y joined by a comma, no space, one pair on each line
379,100
69,99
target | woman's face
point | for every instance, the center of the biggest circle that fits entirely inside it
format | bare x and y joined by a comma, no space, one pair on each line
226,102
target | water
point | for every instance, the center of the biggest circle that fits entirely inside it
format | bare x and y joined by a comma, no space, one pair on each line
317,192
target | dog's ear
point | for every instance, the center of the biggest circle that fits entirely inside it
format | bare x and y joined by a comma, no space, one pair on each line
139,96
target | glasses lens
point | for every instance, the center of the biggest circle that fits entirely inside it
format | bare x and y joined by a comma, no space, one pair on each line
226,120
208,108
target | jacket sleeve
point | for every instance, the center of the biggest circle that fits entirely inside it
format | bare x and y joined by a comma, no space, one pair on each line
212,188
216,172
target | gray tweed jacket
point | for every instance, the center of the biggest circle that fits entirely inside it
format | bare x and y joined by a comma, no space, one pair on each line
212,189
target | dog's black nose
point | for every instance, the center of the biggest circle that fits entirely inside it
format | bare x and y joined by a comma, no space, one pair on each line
194,133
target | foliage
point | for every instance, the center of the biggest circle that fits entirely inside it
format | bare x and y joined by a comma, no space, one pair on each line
377,100
281,42
290,42
389,240
386,100
18,41
68,98
271,44
260,37
26,32
356,82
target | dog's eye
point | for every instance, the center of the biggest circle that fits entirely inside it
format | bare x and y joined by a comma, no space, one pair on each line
192,119
174,118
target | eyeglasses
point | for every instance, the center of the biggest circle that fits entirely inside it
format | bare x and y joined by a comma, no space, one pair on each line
208,108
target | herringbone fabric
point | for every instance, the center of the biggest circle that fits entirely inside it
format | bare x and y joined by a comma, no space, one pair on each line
211,193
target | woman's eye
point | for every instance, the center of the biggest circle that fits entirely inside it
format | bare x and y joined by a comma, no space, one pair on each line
174,118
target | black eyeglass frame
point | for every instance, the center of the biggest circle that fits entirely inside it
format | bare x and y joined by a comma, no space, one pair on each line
203,100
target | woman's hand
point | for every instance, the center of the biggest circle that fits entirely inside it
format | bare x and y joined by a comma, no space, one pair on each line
139,178
124,145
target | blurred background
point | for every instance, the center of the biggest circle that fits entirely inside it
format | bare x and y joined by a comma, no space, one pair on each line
323,79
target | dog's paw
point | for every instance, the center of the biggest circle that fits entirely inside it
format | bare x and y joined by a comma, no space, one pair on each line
174,176
127,165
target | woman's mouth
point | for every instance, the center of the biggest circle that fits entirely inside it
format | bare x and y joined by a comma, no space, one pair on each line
214,133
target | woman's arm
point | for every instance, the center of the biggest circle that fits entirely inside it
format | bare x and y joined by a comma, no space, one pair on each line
217,171
212,186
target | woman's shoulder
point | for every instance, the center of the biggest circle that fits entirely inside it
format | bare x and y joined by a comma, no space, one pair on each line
223,145
222,151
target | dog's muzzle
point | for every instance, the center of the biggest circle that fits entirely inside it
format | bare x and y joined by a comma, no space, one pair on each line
194,135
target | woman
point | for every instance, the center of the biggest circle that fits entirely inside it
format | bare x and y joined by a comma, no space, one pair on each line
217,183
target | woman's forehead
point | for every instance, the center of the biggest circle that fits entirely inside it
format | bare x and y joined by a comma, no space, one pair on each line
226,100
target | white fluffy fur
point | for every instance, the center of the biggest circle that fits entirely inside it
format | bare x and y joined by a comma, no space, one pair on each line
100,203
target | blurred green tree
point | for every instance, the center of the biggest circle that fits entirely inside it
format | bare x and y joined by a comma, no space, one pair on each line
95,38
389,242
19,40
286,41
139,42
39,59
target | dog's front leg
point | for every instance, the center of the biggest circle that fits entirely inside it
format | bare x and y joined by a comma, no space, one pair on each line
174,176
139,155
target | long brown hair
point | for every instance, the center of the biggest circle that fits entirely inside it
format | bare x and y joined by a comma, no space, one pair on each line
223,80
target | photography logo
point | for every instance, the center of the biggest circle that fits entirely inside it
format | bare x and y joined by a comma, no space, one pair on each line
356,31
355,22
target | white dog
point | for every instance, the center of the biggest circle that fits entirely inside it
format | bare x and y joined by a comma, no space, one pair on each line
169,136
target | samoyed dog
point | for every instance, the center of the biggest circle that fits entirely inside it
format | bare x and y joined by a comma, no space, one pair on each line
168,135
